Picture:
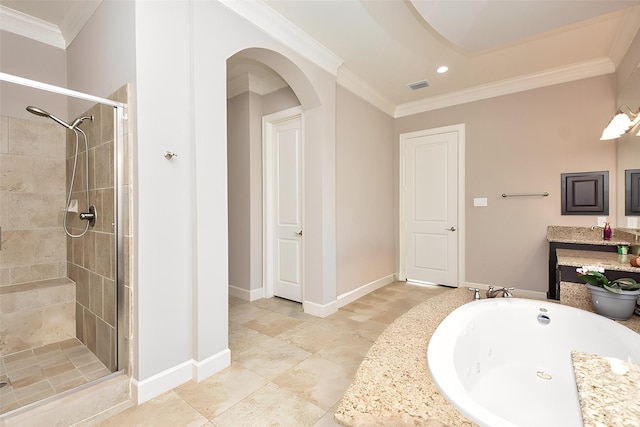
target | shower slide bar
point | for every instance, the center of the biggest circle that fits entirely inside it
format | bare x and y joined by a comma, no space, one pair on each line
57,89
545,194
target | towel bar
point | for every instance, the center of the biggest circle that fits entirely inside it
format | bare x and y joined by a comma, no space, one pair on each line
545,194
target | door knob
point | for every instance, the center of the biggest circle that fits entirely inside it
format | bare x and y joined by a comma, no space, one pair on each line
451,229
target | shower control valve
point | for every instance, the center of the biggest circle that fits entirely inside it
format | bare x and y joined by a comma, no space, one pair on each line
89,216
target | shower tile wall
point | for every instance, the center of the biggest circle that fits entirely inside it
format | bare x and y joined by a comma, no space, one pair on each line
36,299
36,256
32,182
91,259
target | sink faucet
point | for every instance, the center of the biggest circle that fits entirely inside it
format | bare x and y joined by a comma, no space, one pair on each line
506,292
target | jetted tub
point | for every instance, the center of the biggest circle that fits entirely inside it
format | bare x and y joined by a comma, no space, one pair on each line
507,361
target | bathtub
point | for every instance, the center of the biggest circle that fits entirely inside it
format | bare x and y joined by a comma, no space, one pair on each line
507,361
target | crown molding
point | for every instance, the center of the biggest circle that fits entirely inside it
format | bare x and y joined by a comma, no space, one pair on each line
626,31
28,26
249,82
583,70
275,25
45,32
353,83
77,17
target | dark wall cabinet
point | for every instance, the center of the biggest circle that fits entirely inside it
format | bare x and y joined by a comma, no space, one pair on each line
585,193
632,192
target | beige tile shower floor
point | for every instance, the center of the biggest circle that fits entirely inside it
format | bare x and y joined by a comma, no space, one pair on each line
288,368
38,373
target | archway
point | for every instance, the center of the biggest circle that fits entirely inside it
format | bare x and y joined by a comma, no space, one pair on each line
254,90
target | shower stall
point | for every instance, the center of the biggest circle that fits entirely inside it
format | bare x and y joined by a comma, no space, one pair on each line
63,276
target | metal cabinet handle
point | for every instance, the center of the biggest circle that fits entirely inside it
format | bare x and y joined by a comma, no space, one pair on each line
451,229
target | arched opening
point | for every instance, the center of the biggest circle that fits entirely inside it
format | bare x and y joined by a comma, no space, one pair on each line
258,92
254,90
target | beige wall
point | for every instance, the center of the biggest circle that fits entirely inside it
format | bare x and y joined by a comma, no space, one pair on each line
521,143
365,203
278,101
33,60
238,140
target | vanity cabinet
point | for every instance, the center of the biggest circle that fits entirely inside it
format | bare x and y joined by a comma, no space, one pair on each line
573,247
564,273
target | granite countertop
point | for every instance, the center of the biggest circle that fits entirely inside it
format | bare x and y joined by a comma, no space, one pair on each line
585,235
392,386
634,232
601,404
608,260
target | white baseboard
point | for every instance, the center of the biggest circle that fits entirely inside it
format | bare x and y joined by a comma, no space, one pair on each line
245,294
363,290
211,365
325,310
147,389
319,310
517,292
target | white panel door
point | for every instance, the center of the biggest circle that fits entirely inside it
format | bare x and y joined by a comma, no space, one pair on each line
286,204
429,186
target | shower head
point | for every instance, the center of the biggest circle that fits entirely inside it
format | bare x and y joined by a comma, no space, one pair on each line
37,111
40,112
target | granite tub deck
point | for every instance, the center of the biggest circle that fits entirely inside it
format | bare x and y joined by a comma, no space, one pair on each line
602,405
393,387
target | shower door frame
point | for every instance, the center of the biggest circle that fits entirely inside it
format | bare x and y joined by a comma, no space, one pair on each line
119,117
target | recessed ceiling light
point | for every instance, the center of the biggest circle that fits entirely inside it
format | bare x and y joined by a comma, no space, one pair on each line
442,69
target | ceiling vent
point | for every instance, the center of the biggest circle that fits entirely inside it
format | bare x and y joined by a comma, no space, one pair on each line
418,85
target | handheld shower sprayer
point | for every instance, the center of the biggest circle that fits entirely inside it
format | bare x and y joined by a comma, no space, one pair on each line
40,112
90,216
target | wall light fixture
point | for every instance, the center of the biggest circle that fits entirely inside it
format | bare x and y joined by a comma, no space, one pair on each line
622,122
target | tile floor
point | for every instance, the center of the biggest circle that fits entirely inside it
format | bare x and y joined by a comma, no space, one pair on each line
288,368
38,373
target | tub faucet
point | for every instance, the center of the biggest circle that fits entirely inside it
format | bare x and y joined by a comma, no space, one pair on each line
506,292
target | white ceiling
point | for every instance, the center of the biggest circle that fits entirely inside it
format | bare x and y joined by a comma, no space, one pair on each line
488,45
